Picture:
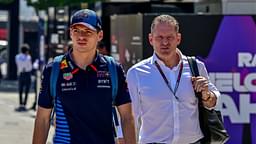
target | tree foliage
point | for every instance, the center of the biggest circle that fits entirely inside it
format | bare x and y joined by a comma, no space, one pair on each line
6,1
43,4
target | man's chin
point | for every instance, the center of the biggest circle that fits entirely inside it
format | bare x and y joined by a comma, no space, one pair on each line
165,52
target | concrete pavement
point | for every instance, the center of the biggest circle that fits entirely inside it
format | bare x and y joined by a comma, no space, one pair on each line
16,127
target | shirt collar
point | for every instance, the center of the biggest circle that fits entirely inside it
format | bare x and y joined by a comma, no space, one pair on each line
160,62
73,66
68,55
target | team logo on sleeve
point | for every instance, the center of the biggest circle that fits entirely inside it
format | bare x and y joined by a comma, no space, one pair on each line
63,64
67,76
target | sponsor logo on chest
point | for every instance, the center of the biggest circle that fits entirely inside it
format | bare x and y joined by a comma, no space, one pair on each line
68,86
67,76
103,79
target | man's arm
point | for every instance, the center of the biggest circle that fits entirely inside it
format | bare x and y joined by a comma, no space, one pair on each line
42,125
133,87
127,123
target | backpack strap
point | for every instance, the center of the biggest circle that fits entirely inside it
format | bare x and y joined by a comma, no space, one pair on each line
53,80
113,76
117,130
55,74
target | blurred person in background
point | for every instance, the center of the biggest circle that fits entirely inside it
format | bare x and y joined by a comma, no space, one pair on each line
34,81
1,75
102,48
3,59
24,68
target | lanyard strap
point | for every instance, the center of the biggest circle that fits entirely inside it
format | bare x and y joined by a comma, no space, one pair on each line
166,81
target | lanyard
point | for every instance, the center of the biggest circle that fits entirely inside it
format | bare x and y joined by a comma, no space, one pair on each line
166,81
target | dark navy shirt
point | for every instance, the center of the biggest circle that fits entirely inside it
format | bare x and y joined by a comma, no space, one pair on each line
84,101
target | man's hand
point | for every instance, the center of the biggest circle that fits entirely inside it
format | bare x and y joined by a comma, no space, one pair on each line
127,122
200,84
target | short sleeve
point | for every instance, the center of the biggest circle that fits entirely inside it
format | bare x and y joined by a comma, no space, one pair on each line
45,98
203,72
123,96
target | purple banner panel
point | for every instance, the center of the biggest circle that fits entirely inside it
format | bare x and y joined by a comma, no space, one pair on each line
232,68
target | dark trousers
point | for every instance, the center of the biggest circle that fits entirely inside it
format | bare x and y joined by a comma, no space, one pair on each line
24,83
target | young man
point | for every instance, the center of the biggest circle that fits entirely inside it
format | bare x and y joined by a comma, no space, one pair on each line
24,66
168,111
83,91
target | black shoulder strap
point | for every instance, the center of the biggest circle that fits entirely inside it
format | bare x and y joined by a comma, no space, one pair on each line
193,66
195,72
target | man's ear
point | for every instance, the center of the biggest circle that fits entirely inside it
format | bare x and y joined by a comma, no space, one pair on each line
100,35
70,33
150,38
178,38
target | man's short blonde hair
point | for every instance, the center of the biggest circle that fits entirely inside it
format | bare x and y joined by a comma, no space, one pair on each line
165,19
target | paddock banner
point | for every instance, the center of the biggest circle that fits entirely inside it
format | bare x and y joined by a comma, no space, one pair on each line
231,64
227,45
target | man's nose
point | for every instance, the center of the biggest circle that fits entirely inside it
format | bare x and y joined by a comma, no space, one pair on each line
165,41
80,37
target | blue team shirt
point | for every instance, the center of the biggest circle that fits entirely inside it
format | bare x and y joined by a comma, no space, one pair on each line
84,101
